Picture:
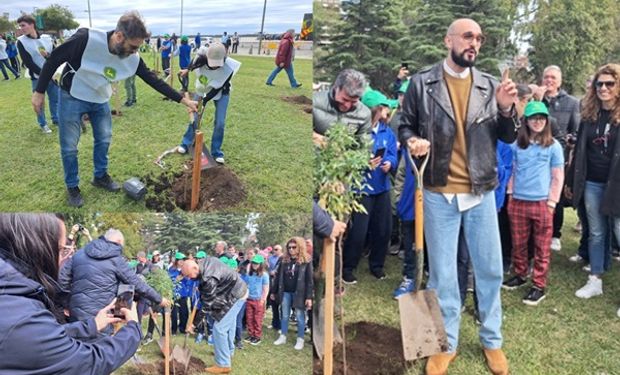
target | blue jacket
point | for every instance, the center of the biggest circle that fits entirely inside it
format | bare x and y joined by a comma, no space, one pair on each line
184,56
166,52
405,206
378,180
504,170
174,273
186,287
92,276
33,342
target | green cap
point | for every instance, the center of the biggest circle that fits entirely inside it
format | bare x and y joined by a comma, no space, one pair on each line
403,87
374,98
132,263
166,35
259,259
201,254
149,257
184,38
535,108
179,256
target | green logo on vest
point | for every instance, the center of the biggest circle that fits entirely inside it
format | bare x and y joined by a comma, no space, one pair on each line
109,73
203,80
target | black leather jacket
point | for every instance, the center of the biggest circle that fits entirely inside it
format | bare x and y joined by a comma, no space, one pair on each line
427,113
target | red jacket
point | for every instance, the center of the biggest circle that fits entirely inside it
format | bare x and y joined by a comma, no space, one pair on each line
285,50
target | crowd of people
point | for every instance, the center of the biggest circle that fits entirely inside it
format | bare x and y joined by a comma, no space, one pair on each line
505,158
61,298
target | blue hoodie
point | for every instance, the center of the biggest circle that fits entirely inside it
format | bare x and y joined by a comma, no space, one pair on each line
33,342
405,206
504,170
378,180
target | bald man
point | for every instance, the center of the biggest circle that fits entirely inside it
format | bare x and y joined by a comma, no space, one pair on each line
457,113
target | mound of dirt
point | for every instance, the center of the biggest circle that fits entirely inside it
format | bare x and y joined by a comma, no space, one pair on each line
372,349
219,188
196,366
301,100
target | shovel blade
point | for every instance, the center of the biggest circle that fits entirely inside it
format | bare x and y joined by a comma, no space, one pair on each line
422,328
207,161
162,345
318,332
182,356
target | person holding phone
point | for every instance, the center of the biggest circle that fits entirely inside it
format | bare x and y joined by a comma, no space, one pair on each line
376,195
35,339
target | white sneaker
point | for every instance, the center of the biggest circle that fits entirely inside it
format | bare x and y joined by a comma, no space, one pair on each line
219,159
181,150
594,287
556,245
299,345
618,313
587,268
46,129
280,341
575,258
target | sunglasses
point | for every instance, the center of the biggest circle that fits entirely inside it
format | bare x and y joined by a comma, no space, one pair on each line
469,37
291,247
608,84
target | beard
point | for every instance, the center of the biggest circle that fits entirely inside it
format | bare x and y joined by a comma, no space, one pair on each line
119,51
460,59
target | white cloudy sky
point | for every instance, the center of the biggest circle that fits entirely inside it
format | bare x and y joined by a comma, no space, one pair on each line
209,17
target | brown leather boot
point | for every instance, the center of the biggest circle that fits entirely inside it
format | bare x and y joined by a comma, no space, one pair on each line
496,361
438,364
215,369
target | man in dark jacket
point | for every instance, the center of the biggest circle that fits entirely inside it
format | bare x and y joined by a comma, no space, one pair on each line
94,273
222,294
457,113
284,59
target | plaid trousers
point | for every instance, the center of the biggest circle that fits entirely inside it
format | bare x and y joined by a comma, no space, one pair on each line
531,218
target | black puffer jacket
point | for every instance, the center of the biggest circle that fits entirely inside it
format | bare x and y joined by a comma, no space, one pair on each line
92,276
427,113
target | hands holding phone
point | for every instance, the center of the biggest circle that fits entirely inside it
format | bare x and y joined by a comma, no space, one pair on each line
105,317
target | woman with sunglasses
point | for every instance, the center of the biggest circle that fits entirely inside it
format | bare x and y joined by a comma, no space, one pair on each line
293,288
596,171
34,338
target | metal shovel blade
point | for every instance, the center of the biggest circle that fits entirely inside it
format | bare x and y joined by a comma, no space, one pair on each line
207,161
182,356
318,333
421,325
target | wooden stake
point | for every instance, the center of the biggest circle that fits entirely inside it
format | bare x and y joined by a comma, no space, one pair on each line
329,251
167,342
196,171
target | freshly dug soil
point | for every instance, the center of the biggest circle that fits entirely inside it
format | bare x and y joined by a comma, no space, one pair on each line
372,349
196,366
301,100
219,188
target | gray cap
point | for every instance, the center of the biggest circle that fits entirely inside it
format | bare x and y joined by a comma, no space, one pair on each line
141,254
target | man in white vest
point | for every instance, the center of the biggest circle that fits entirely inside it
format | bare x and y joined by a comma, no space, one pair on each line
34,49
95,58
214,71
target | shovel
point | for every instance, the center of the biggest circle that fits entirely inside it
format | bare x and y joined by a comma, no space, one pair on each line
183,354
421,322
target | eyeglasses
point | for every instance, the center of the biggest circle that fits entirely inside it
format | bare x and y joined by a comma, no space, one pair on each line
608,84
469,37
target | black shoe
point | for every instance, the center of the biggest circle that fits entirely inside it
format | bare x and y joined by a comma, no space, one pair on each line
106,182
75,198
379,274
147,339
298,86
255,341
348,278
248,339
513,283
269,84
534,296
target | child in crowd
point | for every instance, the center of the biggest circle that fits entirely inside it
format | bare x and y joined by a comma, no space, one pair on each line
258,287
534,188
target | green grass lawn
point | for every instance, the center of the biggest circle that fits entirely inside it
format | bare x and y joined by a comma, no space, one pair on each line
267,144
562,335
264,358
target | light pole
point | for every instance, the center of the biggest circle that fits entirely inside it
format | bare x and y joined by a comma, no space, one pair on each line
262,26
90,20
181,18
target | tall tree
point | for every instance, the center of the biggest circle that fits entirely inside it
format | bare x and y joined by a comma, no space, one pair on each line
6,25
57,17
278,228
576,35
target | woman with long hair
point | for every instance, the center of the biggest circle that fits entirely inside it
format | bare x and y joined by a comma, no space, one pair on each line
293,288
34,340
596,171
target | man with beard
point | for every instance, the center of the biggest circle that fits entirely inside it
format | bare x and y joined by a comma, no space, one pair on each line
457,113
95,59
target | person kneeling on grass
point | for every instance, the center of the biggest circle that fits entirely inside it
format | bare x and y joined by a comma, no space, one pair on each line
293,288
534,188
214,72
222,293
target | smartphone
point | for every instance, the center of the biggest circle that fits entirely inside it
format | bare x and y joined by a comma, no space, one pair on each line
124,299
404,65
380,152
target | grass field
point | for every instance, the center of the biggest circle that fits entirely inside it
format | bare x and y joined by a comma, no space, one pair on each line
267,144
562,335
264,358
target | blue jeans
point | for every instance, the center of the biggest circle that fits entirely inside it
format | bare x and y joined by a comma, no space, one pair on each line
70,112
52,102
4,63
239,325
300,314
479,224
289,71
224,335
600,228
219,122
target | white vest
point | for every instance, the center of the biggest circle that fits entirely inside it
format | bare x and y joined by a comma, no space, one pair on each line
214,79
34,47
99,68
